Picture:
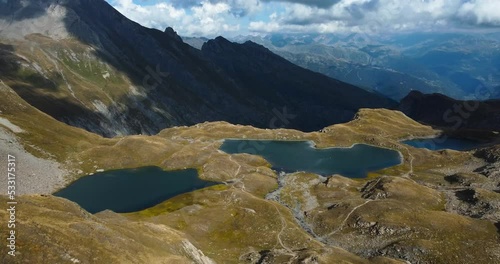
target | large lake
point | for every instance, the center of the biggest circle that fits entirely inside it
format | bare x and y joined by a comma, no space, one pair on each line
131,190
292,156
440,143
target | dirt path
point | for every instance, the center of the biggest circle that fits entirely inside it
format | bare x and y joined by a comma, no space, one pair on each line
347,218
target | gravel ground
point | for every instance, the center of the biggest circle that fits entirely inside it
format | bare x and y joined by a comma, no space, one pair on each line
33,175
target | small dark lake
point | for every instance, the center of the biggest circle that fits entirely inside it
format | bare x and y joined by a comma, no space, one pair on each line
441,143
292,156
131,190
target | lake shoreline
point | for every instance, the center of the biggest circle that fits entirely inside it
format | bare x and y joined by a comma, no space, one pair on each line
301,155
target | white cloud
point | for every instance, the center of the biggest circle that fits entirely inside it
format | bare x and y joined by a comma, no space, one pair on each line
206,19
267,27
209,19
229,17
238,7
382,16
483,12
245,7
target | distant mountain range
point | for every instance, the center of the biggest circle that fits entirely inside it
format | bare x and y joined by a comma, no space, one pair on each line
85,64
453,64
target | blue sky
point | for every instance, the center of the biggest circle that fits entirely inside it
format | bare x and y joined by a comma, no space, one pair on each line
210,18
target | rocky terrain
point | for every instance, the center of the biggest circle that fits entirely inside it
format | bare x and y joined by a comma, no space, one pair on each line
436,207
83,90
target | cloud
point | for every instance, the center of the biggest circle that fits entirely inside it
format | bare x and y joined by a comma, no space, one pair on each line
238,8
316,3
186,3
230,17
380,16
481,12
207,18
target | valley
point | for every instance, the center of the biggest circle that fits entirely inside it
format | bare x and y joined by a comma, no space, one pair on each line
336,209
132,146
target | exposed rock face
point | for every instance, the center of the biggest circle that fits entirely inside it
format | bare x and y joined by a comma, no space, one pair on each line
171,33
491,154
20,18
85,64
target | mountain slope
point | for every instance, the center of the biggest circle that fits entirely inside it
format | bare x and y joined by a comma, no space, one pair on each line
305,94
234,223
442,111
454,64
85,64
110,75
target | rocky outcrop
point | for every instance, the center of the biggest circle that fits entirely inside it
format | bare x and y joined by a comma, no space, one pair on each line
491,154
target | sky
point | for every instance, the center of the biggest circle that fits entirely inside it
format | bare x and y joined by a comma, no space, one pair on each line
209,18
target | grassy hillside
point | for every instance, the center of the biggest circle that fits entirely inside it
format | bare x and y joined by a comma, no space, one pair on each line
407,212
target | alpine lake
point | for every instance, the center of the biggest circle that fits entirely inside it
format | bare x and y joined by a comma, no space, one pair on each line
131,190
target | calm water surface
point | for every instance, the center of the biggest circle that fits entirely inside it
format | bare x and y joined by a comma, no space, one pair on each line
292,156
131,190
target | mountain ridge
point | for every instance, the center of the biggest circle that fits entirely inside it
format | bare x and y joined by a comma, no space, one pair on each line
395,64
266,74
115,77
442,111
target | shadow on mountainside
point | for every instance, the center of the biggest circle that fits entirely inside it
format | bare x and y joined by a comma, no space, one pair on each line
176,78
183,86
38,91
457,118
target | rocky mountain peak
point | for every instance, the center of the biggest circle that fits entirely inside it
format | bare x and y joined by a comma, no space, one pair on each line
217,45
250,49
172,33
251,44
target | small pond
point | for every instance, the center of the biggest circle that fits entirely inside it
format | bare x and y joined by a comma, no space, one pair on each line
131,190
292,156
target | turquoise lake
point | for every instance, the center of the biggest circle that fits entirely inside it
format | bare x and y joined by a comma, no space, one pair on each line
441,143
131,190
292,156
